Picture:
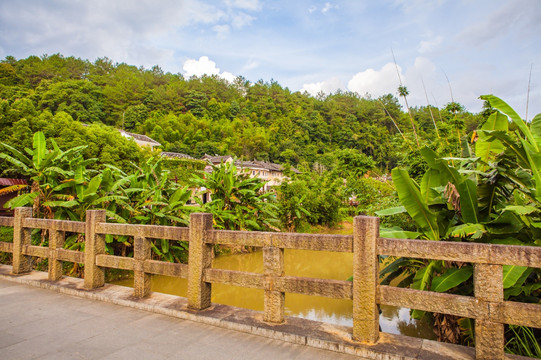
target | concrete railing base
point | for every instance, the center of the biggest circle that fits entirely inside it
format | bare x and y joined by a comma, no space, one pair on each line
294,330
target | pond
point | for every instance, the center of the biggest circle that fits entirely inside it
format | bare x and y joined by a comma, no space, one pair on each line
317,264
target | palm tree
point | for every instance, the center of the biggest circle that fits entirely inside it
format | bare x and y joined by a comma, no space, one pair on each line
403,91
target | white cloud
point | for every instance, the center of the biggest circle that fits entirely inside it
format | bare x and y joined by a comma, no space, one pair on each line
252,5
376,82
417,6
326,87
311,9
250,64
423,70
119,30
429,45
200,67
385,81
422,67
205,66
228,76
116,29
222,31
520,16
328,6
242,19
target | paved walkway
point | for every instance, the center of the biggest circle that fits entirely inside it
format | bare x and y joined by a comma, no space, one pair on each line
42,324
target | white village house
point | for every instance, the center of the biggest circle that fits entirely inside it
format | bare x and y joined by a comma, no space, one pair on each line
271,173
141,140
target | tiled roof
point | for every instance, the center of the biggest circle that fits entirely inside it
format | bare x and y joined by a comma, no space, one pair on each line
260,165
263,165
255,164
9,182
176,155
217,159
141,137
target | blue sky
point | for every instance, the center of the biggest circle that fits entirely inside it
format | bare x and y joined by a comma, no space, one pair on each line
482,46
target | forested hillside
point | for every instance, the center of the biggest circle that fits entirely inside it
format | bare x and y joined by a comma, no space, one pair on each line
262,120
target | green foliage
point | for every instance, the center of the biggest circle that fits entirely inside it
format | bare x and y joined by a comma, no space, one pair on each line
182,170
492,197
64,187
523,341
237,200
451,279
201,115
291,211
311,197
411,198
81,99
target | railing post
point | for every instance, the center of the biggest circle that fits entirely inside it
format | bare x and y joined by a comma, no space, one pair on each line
141,280
94,245
21,238
56,241
365,279
488,288
199,259
273,261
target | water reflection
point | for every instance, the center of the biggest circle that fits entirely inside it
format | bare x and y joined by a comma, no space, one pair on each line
317,264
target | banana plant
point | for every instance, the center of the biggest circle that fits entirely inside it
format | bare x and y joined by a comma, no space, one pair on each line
491,195
153,199
45,168
237,200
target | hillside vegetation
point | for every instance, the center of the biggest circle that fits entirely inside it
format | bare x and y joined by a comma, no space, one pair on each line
261,120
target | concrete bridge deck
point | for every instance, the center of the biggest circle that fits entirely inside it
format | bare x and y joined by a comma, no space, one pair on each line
42,319
43,324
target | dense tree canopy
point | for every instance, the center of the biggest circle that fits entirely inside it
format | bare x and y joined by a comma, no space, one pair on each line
261,120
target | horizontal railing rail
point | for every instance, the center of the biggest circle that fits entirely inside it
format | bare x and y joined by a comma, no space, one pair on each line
459,251
487,306
148,231
316,242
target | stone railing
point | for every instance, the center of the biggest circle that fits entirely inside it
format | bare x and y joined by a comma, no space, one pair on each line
487,307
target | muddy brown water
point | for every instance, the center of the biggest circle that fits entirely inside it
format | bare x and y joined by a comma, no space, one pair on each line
316,264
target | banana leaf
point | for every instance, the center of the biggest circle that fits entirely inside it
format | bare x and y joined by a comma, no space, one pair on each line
535,128
511,145
410,197
423,277
391,211
20,164
92,187
512,274
398,233
40,150
486,146
521,210
447,173
22,159
431,180
506,223
502,106
79,175
468,201
165,245
21,200
534,159
465,147
65,204
464,230
451,278
421,281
